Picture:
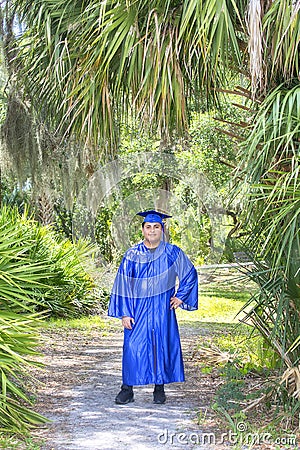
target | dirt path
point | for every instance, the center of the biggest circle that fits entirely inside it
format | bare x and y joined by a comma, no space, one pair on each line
81,378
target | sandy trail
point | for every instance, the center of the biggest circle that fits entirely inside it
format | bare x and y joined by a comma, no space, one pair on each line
81,378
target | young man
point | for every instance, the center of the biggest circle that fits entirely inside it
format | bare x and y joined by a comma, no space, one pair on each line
144,297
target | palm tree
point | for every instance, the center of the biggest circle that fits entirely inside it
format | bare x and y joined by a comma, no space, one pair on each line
270,167
90,64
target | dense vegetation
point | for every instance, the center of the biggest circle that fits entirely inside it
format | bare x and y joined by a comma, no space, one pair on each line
78,77
41,275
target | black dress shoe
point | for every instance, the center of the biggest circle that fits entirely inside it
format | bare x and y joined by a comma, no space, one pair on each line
125,395
159,396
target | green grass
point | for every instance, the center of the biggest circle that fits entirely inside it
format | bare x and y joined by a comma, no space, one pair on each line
8,442
216,305
17,443
219,315
220,304
85,324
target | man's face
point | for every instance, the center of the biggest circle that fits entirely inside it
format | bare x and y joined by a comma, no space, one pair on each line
152,233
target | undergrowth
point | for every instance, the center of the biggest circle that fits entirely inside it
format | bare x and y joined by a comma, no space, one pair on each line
249,399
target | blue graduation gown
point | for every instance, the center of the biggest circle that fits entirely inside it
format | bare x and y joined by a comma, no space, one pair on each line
143,287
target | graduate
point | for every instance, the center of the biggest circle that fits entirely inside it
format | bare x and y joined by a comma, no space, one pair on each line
154,279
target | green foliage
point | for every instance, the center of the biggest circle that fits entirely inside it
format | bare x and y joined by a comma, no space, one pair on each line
272,175
70,285
212,151
190,228
18,442
134,139
270,165
103,235
20,278
67,288
128,56
230,394
38,272
63,219
274,307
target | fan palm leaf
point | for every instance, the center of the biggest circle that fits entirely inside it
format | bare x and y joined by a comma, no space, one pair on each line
91,63
88,63
271,158
283,34
18,283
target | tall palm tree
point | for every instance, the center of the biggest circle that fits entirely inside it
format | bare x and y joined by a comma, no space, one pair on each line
89,64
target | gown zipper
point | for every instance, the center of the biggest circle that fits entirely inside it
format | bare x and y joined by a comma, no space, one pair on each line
154,352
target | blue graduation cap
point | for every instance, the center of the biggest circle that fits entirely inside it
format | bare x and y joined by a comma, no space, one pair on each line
153,216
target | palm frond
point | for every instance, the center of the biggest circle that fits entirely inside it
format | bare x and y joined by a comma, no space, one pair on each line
89,65
274,309
281,27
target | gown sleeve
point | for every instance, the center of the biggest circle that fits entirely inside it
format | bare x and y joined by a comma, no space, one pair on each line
121,299
188,282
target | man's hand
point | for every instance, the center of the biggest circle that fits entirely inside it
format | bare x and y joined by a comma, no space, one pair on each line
175,302
127,322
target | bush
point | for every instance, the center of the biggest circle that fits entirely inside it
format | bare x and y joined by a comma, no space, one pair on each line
39,272
67,289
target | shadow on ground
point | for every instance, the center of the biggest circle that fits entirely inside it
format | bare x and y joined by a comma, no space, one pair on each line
81,378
